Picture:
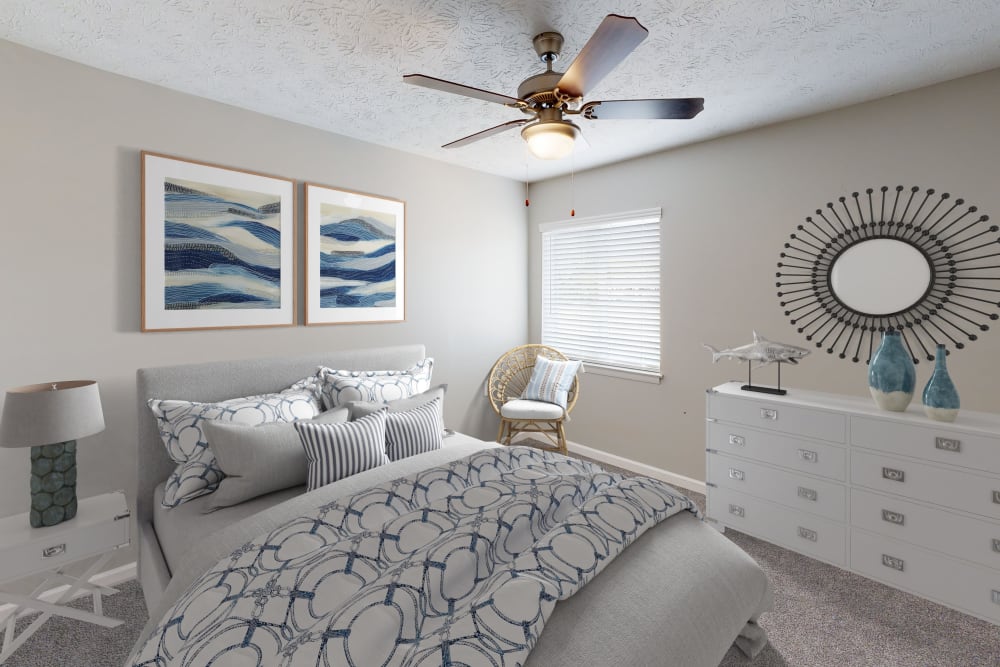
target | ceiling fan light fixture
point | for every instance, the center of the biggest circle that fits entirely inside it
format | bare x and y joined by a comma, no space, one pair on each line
551,139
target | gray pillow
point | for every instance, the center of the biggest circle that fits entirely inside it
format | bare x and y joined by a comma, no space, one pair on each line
361,409
260,459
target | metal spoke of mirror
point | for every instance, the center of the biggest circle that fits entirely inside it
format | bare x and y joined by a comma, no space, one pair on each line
921,263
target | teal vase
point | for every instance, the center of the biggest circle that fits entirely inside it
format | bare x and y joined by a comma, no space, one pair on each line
891,374
940,396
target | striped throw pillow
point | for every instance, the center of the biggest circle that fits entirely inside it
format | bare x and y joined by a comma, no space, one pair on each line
550,381
414,431
336,451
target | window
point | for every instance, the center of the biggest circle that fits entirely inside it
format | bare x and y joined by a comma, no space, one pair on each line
601,291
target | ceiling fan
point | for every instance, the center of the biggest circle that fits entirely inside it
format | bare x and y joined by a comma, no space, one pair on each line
547,97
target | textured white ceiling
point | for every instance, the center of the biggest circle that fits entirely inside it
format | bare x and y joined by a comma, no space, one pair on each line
338,64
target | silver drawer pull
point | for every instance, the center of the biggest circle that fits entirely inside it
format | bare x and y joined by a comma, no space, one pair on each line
808,494
736,509
807,534
736,474
893,517
769,413
948,444
996,545
807,455
737,440
996,497
49,552
996,597
893,475
894,563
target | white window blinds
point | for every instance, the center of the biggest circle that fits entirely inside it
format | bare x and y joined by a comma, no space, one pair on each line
601,289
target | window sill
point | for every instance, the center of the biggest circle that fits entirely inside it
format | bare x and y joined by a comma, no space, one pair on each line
622,373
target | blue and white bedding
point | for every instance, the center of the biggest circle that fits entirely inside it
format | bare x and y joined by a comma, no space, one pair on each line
457,564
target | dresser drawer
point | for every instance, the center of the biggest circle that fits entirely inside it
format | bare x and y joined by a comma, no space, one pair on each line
776,416
927,442
805,533
811,456
29,558
101,524
781,486
952,582
938,485
958,535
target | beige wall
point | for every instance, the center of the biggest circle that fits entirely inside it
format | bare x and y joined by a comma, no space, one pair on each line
728,206
69,169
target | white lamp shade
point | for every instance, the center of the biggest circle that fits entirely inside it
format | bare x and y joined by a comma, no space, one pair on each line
550,140
45,414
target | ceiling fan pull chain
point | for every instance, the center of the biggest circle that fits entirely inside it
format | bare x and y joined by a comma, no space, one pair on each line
572,186
527,202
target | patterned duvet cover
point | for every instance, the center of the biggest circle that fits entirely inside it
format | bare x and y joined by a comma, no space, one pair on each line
459,564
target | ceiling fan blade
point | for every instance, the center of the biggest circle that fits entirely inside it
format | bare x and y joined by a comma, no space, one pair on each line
614,39
465,141
458,89
680,108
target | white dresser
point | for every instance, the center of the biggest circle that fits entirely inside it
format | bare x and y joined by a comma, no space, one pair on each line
895,497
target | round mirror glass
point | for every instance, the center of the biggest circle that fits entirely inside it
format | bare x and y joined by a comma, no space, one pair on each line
880,276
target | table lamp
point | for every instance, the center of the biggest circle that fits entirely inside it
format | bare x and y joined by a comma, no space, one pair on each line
49,418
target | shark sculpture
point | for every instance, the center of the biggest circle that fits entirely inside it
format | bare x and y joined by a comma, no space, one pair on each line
762,350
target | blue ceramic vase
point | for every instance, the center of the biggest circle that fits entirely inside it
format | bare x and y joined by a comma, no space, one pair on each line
891,373
940,396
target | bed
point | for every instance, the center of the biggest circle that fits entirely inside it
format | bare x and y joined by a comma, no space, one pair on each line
680,594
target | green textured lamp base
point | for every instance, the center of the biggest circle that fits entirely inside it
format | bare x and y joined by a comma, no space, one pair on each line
53,484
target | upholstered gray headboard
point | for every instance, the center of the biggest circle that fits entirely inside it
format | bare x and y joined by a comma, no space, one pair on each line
216,381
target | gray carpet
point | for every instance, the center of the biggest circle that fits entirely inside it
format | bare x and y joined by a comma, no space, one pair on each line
63,642
823,617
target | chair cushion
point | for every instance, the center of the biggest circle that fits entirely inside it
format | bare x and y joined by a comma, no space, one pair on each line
521,408
551,380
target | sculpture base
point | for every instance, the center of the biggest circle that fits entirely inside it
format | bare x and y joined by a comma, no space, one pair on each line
53,484
764,390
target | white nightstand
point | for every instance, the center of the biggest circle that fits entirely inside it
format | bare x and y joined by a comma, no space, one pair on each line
100,527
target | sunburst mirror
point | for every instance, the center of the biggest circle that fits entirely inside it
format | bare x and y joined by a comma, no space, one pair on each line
917,261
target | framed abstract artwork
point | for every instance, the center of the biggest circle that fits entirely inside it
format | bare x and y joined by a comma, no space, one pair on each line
355,253
218,246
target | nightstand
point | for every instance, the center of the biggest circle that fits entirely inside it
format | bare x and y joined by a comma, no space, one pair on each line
101,526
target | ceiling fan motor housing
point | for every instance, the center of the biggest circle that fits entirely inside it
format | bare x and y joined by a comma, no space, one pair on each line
548,46
537,90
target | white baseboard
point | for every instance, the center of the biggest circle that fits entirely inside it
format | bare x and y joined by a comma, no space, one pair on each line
109,578
641,468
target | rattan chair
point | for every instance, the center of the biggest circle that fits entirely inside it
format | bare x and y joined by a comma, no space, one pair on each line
508,378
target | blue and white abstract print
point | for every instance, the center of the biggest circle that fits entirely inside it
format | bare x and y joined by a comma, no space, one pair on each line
357,258
222,247
459,564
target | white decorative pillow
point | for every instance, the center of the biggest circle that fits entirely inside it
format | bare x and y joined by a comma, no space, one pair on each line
181,427
336,451
339,387
261,459
361,409
415,431
551,380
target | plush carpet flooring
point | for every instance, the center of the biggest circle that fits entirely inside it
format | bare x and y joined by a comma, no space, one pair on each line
823,617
